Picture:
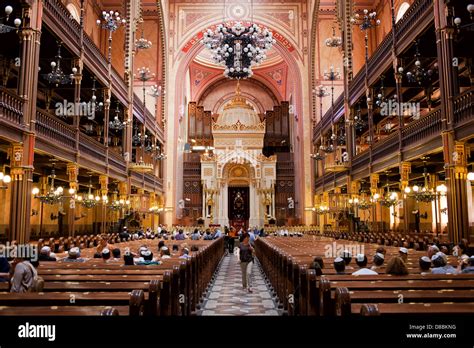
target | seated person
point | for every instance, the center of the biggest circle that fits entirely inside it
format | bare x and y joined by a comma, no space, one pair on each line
425,265
161,244
403,254
45,254
432,249
116,254
317,265
97,255
105,254
165,253
440,264
339,265
195,235
470,266
361,261
347,257
74,255
396,266
180,235
184,254
146,258
25,276
378,261
208,235
217,234
128,257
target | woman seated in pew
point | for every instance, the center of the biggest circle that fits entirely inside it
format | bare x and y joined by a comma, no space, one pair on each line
396,266
361,261
165,253
317,265
378,261
339,265
425,265
440,264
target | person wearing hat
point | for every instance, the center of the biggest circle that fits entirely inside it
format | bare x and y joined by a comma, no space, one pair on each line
378,261
146,258
339,265
440,264
165,253
105,254
184,254
74,255
403,254
346,255
425,265
361,261
45,254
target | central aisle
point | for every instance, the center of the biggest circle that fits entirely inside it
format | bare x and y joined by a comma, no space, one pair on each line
226,296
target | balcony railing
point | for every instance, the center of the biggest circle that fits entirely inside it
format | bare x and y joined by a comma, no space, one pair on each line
55,130
424,129
386,146
11,107
92,148
116,160
464,106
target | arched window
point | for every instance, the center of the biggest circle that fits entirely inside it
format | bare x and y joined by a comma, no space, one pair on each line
73,11
401,10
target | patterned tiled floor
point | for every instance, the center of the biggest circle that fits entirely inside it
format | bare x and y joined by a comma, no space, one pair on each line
227,297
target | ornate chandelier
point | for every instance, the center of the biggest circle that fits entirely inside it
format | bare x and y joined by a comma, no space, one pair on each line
57,76
426,193
238,47
89,201
389,199
53,196
333,41
116,124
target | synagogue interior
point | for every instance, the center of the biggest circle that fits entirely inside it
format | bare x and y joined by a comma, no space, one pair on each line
246,156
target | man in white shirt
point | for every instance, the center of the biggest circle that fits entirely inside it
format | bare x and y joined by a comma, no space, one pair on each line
361,261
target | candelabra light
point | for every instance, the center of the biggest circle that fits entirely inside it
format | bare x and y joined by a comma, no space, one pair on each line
116,124
468,26
238,47
5,28
419,75
142,43
426,193
333,41
97,106
111,22
156,91
53,196
57,76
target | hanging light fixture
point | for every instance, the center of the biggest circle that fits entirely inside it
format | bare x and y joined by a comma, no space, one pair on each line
389,199
53,196
5,28
333,41
97,106
426,193
359,123
142,43
116,124
89,201
238,47
57,76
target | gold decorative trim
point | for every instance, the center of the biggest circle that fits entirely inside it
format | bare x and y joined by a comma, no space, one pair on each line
238,127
